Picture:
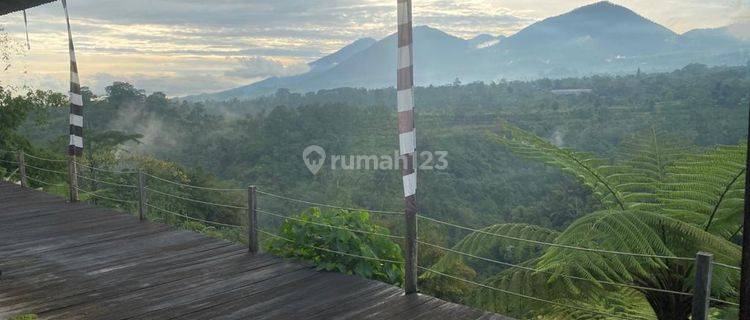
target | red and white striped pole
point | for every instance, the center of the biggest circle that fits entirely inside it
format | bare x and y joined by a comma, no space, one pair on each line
407,138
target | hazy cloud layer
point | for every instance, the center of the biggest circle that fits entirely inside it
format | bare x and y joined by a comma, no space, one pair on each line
192,46
261,67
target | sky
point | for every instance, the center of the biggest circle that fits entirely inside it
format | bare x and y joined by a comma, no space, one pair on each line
183,47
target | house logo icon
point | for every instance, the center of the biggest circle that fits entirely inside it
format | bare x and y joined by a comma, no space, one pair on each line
314,157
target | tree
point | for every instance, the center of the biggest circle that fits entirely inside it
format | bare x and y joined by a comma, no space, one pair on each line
659,199
121,94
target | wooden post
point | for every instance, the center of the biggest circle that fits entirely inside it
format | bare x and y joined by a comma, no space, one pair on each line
141,196
22,169
745,272
252,220
702,289
411,269
73,178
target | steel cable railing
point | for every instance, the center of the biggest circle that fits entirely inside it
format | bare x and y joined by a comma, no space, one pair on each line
326,205
520,295
9,162
191,186
107,182
193,218
44,159
331,226
11,174
46,170
280,216
329,250
723,265
95,195
510,265
557,245
105,170
725,302
194,200
59,185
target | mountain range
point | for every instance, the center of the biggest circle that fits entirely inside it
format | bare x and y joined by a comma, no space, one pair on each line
599,38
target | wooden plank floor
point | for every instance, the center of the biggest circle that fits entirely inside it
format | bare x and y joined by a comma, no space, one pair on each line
76,261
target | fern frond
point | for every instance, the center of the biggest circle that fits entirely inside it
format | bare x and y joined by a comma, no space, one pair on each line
711,186
484,244
581,165
629,182
639,232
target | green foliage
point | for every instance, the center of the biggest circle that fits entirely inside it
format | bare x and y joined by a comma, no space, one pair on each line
708,189
308,236
236,235
662,201
14,111
651,175
486,244
24,317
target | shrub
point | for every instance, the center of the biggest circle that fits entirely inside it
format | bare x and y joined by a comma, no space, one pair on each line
307,238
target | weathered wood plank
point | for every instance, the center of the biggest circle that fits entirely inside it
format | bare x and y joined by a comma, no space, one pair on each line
76,261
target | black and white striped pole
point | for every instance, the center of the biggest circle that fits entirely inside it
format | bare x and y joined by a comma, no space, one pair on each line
407,138
75,145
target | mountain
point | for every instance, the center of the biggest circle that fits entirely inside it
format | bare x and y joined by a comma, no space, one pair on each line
345,53
603,29
599,38
485,40
441,58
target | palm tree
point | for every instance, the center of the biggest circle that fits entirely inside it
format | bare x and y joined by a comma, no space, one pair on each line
660,199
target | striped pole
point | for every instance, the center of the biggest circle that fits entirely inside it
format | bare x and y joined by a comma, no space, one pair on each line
407,138
26,25
75,145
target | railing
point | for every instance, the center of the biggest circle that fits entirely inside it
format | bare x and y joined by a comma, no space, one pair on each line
137,183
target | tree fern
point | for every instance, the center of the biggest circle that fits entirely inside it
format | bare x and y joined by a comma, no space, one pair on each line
707,190
509,293
484,244
662,201
582,165
628,182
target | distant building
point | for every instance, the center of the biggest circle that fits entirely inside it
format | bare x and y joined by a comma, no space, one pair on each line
571,91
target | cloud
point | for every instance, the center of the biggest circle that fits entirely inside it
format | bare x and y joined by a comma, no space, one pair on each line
261,67
172,84
182,45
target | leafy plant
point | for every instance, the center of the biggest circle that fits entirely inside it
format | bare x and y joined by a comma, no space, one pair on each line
660,199
307,238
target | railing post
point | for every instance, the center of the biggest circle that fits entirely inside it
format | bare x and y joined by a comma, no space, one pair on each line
141,196
252,220
702,289
73,178
22,168
745,266
411,270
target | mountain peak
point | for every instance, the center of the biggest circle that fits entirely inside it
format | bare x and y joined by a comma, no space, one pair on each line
344,53
602,6
606,10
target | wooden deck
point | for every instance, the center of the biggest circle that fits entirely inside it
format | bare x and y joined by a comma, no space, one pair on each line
76,261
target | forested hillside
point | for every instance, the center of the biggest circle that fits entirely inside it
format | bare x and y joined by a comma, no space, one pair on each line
261,141
501,177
